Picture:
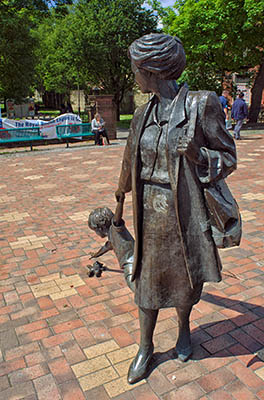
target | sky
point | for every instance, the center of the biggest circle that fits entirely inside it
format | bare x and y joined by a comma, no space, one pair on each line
167,3
164,3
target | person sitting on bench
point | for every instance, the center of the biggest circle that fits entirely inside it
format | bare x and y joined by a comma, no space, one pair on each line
98,128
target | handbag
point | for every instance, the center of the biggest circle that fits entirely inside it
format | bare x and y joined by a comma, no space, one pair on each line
225,218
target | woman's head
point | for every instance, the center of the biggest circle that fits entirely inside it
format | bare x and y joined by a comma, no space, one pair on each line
160,54
97,117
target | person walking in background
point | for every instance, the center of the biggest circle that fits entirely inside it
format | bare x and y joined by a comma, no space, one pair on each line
224,102
239,112
98,128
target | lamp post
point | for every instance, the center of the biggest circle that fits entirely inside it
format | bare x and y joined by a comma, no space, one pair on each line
78,88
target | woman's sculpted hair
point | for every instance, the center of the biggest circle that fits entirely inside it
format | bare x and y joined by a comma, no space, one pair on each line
160,54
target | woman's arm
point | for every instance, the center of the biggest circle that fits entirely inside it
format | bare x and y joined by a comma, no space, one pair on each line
219,152
213,153
124,184
94,127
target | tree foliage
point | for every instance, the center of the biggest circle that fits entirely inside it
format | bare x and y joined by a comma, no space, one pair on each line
107,28
219,36
89,46
59,44
57,67
16,52
18,18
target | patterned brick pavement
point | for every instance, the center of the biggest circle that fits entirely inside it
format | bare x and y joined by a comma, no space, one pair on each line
66,336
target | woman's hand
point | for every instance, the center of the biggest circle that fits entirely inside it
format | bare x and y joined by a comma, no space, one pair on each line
120,196
188,148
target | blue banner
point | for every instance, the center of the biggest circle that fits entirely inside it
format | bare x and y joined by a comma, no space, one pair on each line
47,128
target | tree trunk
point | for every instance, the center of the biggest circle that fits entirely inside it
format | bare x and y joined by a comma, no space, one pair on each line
117,103
257,95
118,113
5,110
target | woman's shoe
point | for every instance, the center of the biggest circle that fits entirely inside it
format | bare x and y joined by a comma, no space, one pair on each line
139,366
184,354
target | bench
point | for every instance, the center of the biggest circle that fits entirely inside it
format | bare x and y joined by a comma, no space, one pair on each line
74,131
20,135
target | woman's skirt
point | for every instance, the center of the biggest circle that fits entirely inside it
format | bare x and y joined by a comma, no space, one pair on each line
163,280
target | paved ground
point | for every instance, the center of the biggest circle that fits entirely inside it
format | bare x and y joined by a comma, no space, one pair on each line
66,336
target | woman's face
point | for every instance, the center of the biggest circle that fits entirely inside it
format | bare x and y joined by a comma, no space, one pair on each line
142,78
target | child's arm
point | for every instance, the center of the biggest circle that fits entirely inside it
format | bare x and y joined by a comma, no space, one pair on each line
104,249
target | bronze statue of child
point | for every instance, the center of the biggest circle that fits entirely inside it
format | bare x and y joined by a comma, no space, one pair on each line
102,221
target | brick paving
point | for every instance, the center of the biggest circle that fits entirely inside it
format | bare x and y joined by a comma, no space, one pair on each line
66,336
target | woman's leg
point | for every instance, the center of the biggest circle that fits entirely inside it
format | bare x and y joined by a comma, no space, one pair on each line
106,136
139,366
183,346
147,322
97,137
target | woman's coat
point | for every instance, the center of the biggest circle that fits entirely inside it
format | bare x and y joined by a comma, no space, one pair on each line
198,115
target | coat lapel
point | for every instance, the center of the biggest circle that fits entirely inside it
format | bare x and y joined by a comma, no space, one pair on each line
178,112
177,118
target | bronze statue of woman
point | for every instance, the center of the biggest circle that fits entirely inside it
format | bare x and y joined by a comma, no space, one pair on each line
177,144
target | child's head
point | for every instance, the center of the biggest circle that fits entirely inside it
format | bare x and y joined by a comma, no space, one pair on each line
100,220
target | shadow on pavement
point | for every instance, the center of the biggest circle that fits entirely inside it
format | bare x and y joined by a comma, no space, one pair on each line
251,137
201,337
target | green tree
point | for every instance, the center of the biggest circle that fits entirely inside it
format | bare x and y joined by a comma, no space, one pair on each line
88,46
102,30
18,59
255,46
16,52
57,67
219,36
